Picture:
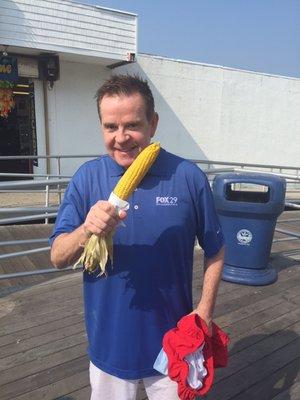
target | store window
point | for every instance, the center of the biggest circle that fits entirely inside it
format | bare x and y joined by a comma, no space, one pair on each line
18,131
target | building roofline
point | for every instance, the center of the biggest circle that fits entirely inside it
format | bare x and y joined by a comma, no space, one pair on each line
216,66
79,3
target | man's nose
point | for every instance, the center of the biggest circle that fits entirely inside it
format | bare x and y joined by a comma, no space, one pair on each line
121,136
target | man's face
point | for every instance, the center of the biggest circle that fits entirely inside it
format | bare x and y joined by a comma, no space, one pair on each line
126,129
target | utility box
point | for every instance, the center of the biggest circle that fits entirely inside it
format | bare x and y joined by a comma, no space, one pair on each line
248,206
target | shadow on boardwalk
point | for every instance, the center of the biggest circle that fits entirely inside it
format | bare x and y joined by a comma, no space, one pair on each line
43,340
261,367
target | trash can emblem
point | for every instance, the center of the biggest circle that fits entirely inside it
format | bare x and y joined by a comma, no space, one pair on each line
244,237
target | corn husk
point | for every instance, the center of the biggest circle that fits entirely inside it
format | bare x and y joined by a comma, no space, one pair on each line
95,254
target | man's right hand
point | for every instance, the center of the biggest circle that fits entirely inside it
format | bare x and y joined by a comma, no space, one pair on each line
102,219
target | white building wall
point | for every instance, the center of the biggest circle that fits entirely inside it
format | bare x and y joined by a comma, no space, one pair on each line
73,120
68,27
216,113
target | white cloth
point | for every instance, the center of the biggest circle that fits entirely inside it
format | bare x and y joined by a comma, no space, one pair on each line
109,387
197,371
119,204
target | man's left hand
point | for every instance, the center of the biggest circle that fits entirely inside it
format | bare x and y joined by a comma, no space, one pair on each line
206,319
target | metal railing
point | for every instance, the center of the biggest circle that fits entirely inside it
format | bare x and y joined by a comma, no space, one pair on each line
35,186
56,183
208,164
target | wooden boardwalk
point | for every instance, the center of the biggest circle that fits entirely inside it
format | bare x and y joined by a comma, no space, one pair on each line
43,342
26,263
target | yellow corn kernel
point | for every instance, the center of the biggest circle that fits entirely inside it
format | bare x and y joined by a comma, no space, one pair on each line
136,172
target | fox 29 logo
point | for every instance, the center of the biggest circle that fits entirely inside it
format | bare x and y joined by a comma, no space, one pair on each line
167,201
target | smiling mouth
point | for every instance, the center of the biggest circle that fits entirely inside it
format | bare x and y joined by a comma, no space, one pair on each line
127,150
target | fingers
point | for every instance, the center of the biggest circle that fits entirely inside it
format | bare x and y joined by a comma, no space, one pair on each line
122,214
102,218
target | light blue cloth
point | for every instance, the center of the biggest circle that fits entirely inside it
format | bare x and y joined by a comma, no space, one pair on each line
161,363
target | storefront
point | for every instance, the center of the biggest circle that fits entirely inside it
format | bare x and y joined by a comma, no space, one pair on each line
53,57
17,115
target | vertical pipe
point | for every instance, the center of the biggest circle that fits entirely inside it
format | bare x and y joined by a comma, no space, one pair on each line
47,144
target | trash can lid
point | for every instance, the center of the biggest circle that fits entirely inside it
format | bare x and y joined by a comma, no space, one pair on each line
269,199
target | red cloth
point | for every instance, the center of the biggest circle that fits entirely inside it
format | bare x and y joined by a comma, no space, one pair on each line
188,336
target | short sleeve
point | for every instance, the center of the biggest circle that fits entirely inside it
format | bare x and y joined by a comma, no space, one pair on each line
71,212
209,232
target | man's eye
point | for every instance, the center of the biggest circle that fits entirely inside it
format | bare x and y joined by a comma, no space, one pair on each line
110,127
132,126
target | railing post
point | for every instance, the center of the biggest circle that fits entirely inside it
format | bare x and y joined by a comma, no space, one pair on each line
240,185
208,167
47,201
58,186
280,172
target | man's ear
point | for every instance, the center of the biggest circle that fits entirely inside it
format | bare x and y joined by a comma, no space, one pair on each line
154,122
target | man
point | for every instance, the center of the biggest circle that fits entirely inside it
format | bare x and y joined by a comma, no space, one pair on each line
148,288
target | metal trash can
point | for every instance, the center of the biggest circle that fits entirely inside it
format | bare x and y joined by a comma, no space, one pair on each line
248,206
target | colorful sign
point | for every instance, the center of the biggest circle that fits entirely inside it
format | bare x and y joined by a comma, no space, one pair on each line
6,98
8,69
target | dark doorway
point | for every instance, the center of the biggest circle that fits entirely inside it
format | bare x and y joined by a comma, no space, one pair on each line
18,133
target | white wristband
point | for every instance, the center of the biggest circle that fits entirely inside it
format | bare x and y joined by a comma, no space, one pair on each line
118,203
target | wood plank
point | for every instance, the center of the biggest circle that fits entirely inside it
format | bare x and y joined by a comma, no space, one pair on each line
276,384
141,393
13,374
250,375
47,327
257,319
39,300
49,386
264,346
247,311
24,263
48,316
42,351
55,285
81,394
247,338
45,377
291,393
40,340
234,300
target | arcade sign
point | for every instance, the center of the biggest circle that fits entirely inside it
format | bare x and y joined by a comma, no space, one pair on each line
8,69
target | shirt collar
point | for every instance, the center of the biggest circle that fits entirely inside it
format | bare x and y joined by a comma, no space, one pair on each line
157,169
114,168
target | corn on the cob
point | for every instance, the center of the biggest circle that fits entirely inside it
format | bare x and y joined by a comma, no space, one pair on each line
98,249
136,171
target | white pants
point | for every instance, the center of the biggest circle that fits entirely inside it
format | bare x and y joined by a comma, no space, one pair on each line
109,387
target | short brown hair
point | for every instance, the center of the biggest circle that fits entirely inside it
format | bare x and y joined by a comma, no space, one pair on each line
126,85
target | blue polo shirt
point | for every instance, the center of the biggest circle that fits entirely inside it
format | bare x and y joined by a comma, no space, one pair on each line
149,287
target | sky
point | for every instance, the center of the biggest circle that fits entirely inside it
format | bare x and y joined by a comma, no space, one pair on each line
256,35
